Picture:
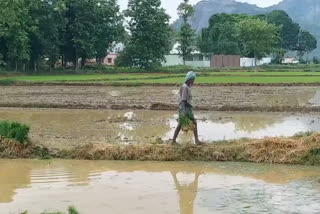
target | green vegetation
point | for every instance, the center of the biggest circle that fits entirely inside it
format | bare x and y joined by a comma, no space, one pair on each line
186,124
260,37
205,76
255,36
71,210
14,131
150,34
186,34
35,33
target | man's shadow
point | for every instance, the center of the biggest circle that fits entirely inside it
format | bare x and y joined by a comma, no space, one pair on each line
187,193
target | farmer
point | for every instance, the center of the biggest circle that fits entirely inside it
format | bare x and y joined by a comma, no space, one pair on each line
185,107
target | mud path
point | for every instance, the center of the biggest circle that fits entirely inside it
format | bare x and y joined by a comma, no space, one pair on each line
232,98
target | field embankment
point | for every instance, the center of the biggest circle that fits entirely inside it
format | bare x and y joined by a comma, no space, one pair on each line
294,150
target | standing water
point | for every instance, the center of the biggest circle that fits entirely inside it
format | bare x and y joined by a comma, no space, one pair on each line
143,187
68,128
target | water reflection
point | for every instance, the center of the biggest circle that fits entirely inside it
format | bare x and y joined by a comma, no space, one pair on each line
68,128
145,187
187,193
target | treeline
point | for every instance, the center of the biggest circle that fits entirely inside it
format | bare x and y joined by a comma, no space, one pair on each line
255,36
33,31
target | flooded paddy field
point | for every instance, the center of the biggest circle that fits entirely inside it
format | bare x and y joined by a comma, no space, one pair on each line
244,98
143,187
65,128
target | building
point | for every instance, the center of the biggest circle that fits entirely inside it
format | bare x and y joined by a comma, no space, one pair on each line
110,59
290,60
198,59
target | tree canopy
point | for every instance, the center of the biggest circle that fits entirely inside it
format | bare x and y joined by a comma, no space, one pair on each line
227,34
186,34
67,30
149,31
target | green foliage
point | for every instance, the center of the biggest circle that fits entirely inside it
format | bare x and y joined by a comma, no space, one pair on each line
71,210
15,131
258,37
186,34
149,34
6,82
306,43
289,30
221,35
34,32
186,124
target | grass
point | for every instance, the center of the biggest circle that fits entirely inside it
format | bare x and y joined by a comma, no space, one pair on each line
14,131
134,79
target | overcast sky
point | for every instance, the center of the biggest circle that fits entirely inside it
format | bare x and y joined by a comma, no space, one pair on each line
171,5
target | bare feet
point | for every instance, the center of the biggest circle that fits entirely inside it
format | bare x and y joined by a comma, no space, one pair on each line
172,142
199,143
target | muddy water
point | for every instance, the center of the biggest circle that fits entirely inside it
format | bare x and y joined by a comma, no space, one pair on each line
143,187
68,128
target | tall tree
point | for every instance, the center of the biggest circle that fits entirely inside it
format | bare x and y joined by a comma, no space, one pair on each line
306,43
149,33
258,37
288,28
221,35
186,34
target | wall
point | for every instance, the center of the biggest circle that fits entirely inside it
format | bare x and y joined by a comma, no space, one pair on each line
249,62
225,61
172,60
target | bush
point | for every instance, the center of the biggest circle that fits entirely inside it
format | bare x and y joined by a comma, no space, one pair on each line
15,131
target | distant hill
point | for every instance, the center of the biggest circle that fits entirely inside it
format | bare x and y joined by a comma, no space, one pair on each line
304,12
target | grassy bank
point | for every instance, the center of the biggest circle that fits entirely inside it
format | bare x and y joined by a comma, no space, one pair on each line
298,74
294,150
213,78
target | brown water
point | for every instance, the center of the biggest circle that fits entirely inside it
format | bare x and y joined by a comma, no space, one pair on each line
67,128
101,187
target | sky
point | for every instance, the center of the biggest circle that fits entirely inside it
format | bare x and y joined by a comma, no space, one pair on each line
172,5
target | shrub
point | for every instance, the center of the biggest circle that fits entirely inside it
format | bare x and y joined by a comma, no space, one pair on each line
14,130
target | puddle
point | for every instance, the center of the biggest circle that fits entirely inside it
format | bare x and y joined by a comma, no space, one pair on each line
67,128
144,187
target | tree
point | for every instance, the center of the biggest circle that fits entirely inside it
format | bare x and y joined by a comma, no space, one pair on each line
258,37
221,35
149,33
16,25
306,43
289,30
186,34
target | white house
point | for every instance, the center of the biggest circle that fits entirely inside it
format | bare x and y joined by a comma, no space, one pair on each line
197,59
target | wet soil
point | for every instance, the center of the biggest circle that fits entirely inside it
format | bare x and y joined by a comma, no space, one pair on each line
232,98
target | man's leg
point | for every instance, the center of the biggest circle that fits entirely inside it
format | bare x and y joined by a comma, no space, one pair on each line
195,131
176,133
